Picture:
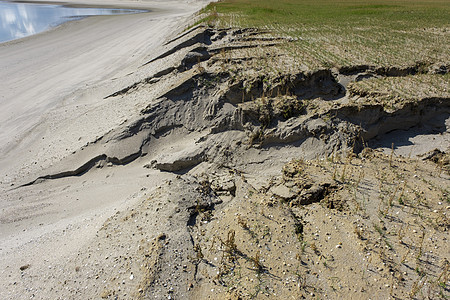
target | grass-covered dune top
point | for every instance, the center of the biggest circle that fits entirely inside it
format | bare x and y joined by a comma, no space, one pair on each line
342,33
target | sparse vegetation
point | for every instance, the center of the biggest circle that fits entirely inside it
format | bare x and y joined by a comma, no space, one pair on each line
347,33
344,226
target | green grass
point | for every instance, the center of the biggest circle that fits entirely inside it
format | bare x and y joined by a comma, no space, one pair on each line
341,33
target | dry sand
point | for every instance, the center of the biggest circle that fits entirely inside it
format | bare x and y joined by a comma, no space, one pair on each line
148,165
52,89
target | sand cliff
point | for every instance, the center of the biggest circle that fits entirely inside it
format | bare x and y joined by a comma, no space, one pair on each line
194,171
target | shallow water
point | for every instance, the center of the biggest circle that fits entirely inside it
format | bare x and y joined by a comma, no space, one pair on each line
18,20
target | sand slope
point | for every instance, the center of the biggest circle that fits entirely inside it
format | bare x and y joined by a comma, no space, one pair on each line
51,104
194,172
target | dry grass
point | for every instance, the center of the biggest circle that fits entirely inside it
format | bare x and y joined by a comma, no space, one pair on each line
393,91
343,33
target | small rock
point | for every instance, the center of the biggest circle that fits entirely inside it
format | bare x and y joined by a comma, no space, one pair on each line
23,268
283,192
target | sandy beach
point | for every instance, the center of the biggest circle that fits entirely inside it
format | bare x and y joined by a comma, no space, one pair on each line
143,157
53,86
84,57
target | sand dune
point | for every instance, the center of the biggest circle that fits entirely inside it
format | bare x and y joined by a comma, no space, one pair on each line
150,161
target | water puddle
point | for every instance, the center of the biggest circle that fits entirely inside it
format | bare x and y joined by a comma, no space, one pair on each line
18,20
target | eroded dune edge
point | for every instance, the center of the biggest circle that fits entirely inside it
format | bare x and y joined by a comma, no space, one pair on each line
277,181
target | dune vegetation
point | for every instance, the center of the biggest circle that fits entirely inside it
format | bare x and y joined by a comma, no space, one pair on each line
341,33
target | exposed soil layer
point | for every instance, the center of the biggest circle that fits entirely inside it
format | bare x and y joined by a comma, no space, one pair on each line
279,190
259,109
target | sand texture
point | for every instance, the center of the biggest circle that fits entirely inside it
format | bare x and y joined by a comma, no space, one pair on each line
149,160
